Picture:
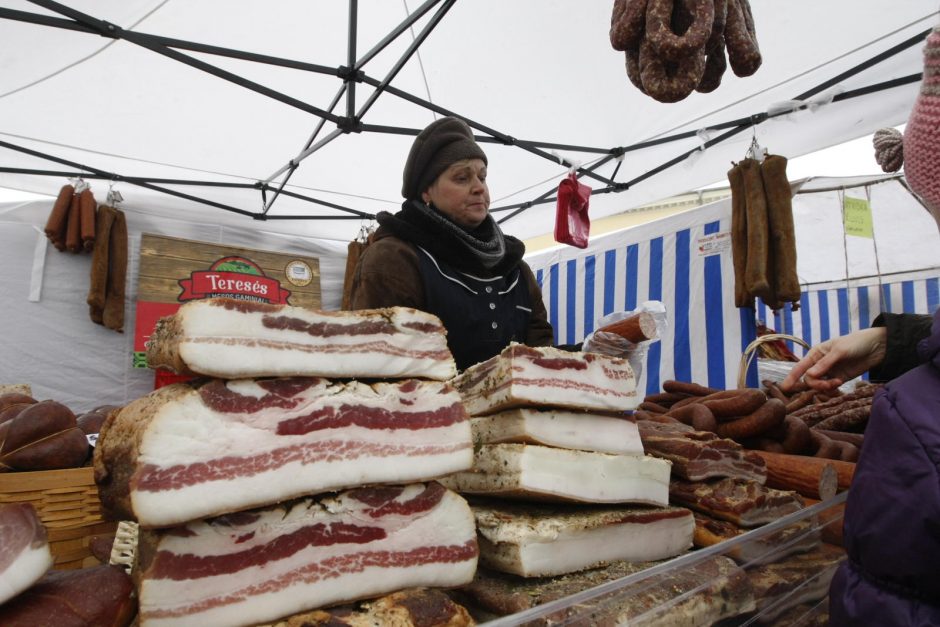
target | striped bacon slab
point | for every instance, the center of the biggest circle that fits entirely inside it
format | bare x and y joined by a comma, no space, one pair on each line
523,376
259,565
24,549
188,451
233,339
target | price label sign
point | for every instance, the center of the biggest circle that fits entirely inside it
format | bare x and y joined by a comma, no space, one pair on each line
856,216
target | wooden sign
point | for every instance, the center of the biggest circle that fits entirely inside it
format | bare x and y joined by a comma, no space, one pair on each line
173,271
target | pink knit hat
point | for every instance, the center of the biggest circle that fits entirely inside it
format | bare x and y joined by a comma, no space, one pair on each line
921,143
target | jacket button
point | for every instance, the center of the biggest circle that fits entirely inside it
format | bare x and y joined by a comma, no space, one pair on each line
492,305
494,325
489,289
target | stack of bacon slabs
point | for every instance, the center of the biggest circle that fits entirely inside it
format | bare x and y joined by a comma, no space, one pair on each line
259,497
548,426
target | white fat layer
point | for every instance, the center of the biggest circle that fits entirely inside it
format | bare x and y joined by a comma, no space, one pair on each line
171,507
612,382
342,587
28,567
560,428
206,321
185,431
245,360
571,475
449,523
202,318
571,552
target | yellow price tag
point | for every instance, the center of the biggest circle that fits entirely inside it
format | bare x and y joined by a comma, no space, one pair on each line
856,217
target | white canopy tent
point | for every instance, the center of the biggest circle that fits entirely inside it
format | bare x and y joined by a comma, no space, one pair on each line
175,139
139,103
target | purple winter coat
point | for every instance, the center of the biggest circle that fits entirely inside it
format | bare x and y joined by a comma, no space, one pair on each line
892,517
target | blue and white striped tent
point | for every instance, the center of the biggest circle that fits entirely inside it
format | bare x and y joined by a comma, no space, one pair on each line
685,262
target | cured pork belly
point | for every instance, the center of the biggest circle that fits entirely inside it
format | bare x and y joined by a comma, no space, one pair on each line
559,428
234,339
541,473
189,451
414,607
547,377
801,536
744,503
799,579
537,541
24,549
259,565
698,455
701,594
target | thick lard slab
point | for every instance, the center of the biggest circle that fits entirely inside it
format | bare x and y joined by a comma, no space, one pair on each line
189,451
233,339
537,541
559,428
259,565
542,473
523,376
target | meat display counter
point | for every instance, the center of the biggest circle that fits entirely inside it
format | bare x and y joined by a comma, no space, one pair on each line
777,574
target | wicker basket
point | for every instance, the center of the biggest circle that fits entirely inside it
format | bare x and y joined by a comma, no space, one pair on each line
67,504
751,351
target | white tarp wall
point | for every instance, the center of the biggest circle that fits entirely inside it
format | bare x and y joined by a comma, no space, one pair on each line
48,339
656,261
846,280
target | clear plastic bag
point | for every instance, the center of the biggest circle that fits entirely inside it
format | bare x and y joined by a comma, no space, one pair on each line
616,345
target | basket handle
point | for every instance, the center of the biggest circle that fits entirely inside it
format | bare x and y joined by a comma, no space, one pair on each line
748,355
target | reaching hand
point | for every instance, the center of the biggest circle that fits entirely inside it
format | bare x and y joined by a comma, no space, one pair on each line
830,364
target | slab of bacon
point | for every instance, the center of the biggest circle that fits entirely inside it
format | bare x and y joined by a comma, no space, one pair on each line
802,578
703,593
24,549
560,428
233,339
799,537
523,376
190,450
541,473
259,565
742,502
538,541
413,607
699,455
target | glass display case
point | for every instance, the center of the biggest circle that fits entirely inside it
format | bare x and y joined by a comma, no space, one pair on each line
777,574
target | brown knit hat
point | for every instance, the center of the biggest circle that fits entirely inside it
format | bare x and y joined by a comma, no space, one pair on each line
436,148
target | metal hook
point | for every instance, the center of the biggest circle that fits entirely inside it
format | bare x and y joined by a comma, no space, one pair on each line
114,196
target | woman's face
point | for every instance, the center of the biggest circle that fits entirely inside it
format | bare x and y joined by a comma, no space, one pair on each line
460,193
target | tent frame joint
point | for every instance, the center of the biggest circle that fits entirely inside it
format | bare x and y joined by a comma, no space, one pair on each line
349,124
348,73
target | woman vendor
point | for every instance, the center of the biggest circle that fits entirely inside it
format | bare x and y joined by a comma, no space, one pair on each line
443,253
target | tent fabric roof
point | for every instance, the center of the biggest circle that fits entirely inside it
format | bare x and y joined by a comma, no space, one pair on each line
535,70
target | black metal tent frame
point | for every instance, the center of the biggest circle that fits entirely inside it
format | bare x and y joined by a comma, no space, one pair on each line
352,122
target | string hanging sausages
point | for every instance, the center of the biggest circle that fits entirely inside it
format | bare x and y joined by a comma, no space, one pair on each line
675,47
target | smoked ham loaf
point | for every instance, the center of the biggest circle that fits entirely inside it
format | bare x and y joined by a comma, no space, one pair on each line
24,549
233,339
191,450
